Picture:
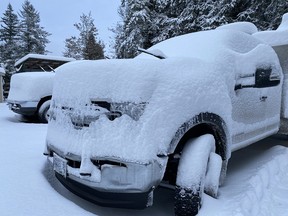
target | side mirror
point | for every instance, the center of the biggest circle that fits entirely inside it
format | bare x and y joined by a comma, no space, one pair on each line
265,78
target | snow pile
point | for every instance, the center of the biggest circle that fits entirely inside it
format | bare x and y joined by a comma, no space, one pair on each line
277,37
262,192
31,86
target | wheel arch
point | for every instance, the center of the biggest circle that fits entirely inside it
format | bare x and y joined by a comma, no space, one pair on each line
202,124
42,100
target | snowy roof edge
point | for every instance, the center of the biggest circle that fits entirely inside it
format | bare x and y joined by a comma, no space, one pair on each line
45,57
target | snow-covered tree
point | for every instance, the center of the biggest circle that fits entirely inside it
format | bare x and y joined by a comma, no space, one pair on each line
264,14
136,29
9,37
78,47
150,21
33,36
73,48
9,43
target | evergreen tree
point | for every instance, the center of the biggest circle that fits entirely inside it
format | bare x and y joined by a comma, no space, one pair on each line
9,37
264,14
151,21
73,48
79,47
33,36
137,27
92,50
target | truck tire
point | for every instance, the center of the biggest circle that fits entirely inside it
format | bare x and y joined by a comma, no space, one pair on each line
192,169
43,112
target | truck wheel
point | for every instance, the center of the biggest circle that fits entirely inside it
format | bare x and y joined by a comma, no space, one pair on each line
43,112
192,171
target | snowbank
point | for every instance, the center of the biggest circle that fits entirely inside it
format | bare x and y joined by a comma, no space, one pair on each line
261,192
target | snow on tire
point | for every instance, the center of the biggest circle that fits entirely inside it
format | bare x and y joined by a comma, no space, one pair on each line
213,175
191,174
43,111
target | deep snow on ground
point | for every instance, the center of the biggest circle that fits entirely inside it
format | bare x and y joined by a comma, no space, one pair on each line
256,184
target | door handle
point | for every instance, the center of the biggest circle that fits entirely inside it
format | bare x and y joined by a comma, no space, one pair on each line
263,98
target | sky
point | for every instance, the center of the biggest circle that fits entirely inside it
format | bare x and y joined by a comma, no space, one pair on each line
59,16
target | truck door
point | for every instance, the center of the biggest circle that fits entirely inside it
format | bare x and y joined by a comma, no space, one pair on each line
253,100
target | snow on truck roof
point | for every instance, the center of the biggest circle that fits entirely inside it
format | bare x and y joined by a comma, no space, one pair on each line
207,45
246,27
276,37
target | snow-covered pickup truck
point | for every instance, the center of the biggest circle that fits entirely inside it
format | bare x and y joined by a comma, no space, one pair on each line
171,116
31,87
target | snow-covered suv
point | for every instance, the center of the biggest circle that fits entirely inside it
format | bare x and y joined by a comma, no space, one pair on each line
174,114
31,87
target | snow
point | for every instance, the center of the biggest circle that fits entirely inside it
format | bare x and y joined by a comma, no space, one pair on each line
44,57
31,86
170,87
246,27
276,37
196,151
256,184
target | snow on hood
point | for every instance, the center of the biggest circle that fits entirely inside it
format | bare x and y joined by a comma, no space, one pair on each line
31,86
197,76
167,86
276,37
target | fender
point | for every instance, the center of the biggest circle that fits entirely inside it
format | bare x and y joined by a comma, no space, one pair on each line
199,125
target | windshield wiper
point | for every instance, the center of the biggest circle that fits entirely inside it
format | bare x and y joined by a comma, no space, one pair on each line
159,55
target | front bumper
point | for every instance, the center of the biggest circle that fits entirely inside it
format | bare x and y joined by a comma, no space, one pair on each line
108,199
128,185
28,108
